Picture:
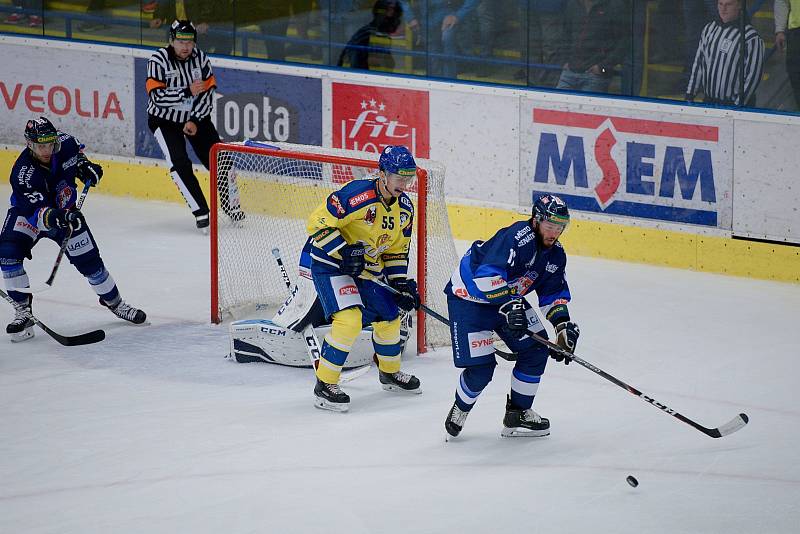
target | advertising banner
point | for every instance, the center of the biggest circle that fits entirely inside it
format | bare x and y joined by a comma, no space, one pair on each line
369,118
636,163
248,105
97,109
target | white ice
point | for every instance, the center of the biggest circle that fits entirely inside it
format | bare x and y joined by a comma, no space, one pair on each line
152,430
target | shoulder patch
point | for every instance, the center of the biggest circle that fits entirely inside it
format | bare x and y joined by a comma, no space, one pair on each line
406,202
362,198
336,204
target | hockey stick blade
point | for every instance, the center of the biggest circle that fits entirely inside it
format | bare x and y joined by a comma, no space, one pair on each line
88,338
358,372
33,290
737,423
95,336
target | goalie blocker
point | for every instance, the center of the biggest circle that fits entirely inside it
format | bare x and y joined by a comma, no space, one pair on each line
281,341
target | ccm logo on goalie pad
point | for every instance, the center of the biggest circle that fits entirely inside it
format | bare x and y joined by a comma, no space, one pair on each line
480,343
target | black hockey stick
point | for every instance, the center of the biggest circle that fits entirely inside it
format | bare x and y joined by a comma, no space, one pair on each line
312,343
737,423
49,282
88,338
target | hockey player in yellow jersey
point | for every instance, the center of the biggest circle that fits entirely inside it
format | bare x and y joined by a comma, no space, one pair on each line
363,230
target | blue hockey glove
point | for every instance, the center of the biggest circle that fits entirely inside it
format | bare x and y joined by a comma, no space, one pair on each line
567,334
88,172
353,261
408,299
55,218
514,313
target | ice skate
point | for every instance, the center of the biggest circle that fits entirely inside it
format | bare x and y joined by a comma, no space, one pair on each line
455,421
523,423
202,223
21,328
125,311
330,397
399,381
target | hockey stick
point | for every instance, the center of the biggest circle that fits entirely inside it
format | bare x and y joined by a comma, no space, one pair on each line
737,423
510,356
49,282
312,344
70,341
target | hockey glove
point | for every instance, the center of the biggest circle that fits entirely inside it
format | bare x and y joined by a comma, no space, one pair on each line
514,313
55,218
408,298
353,261
88,172
566,337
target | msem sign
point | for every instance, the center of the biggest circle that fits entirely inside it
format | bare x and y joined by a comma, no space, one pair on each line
644,165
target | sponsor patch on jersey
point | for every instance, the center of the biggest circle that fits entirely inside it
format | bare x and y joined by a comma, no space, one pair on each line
361,198
382,239
369,217
525,240
23,226
345,292
480,343
24,175
406,203
64,195
551,267
334,201
403,219
71,162
79,244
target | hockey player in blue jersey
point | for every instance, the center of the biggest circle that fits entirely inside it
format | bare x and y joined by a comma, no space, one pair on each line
43,195
486,293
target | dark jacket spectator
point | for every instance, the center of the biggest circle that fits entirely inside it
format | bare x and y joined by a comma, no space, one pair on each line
359,53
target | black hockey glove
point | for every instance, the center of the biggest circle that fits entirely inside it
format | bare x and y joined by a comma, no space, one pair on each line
514,312
55,218
566,337
408,299
353,261
88,172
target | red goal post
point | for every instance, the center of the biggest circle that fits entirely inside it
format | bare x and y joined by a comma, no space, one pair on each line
276,186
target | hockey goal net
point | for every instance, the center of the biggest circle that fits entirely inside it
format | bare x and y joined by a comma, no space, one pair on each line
276,187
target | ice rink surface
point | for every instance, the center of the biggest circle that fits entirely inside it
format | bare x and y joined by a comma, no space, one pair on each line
153,431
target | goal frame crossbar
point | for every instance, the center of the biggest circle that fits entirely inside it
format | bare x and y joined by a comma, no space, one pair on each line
420,215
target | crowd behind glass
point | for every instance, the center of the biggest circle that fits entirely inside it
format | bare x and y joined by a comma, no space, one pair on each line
661,49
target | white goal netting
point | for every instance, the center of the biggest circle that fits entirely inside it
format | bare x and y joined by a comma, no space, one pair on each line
275,190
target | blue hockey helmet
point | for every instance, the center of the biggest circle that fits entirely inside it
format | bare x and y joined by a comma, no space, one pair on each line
398,160
183,30
41,132
550,208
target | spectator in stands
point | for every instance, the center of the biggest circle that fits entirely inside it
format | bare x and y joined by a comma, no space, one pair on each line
214,21
272,19
359,53
26,12
717,65
444,18
95,9
595,34
787,39
546,35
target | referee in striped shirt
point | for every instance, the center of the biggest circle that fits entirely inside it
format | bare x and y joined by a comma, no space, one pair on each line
180,86
717,65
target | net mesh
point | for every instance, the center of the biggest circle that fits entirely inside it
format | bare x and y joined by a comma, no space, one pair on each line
264,200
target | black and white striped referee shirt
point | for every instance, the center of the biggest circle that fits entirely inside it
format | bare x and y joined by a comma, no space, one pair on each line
168,80
716,64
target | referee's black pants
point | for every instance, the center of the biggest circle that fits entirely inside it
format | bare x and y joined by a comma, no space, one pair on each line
170,138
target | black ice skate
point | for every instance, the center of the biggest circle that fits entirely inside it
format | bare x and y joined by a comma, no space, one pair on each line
202,223
21,328
330,397
455,420
523,423
399,381
126,311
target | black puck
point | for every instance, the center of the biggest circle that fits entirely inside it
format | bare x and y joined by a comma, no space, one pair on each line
632,481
